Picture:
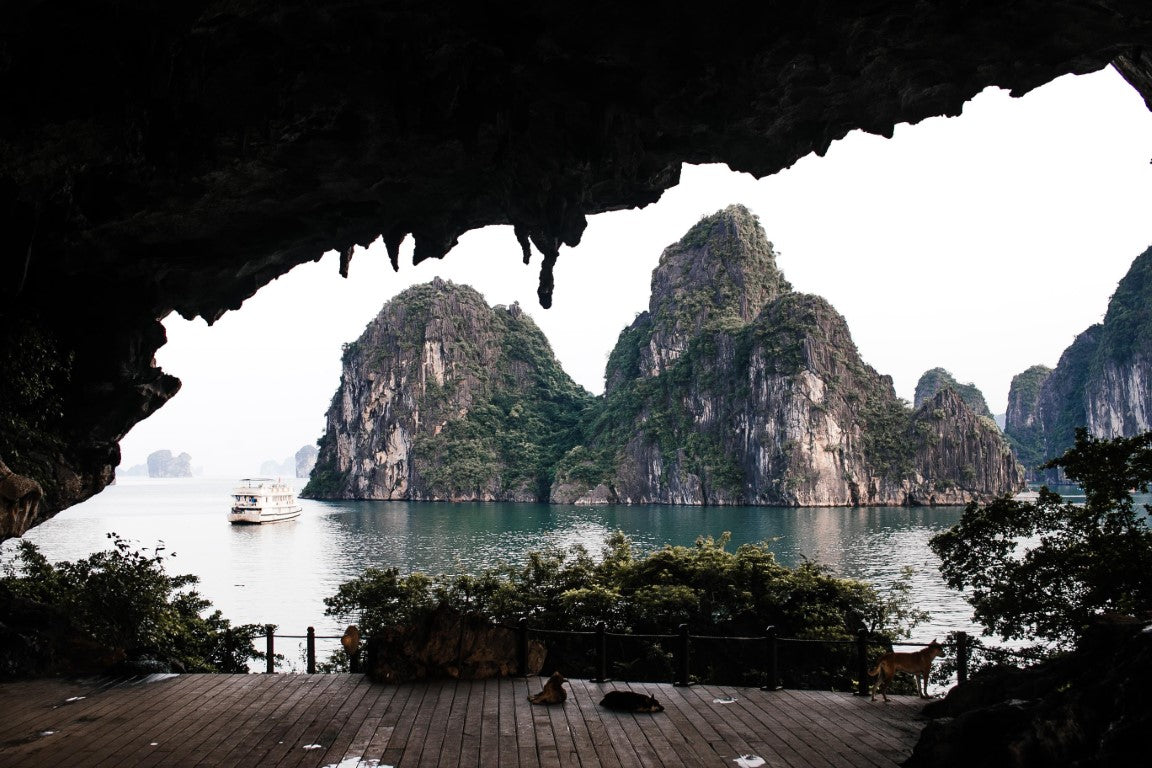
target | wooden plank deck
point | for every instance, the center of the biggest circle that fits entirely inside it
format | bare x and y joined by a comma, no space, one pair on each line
344,721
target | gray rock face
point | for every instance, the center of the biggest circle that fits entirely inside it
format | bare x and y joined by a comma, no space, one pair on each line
305,460
446,398
1023,423
1103,381
937,379
164,464
736,390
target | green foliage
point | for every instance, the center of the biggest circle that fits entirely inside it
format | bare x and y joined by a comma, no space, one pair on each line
122,598
382,598
1128,324
701,232
937,379
887,425
35,372
325,481
706,586
1069,381
1044,570
516,431
1028,442
460,461
781,330
624,359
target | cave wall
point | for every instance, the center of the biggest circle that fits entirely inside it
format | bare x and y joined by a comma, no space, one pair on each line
180,155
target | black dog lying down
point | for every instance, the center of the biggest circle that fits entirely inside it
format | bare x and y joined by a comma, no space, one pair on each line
630,701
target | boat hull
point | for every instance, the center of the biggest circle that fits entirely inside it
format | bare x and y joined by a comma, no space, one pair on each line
258,517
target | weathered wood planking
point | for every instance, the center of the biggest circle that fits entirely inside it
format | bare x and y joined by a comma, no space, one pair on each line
325,721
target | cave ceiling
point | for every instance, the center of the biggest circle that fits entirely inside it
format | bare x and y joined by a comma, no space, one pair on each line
178,155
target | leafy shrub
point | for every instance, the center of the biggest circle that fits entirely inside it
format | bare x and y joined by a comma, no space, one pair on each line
712,590
123,599
1045,570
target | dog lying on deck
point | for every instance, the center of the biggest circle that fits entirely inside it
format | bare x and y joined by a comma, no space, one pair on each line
553,692
630,701
918,663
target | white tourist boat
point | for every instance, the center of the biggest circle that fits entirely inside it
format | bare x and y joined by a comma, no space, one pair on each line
262,500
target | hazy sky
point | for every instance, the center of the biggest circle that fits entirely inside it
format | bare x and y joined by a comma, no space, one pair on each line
982,244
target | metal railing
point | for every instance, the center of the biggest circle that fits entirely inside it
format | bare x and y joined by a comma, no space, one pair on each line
681,641
771,645
310,639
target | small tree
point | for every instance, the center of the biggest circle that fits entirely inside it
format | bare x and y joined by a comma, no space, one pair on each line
122,598
1044,570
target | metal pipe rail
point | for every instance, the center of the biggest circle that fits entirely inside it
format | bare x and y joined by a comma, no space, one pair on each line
682,653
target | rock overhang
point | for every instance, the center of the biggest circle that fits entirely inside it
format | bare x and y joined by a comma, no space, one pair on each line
179,156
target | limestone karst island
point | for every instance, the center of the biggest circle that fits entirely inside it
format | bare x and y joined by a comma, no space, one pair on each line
730,389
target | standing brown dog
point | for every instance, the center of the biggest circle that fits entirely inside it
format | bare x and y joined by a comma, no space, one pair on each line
919,663
553,692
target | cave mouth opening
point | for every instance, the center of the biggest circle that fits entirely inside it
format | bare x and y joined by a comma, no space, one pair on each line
943,246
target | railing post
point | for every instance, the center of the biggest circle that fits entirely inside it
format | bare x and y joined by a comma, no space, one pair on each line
961,657
601,653
772,683
270,647
522,645
311,650
862,663
682,657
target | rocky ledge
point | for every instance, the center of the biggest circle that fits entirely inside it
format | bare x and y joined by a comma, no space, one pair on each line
1087,709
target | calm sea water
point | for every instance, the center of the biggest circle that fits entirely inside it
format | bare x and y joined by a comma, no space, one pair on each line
281,573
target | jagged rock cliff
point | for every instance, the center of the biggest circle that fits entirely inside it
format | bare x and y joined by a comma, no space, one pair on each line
1103,381
180,155
937,379
1022,422
733,389
305,460
446,398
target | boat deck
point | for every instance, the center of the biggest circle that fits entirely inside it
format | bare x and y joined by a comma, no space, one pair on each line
344,721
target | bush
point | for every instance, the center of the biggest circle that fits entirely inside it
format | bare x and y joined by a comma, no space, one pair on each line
121,600
712,590
1044,571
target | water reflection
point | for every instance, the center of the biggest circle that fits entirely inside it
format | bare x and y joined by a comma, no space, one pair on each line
280,573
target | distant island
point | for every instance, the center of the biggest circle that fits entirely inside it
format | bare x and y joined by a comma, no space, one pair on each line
298,465
731,389
164,464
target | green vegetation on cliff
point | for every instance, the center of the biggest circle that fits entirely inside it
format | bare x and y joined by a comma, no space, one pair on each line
937,379
326,479
730,389
719,274
1127,328
658,403
474,403
1023,426
517,432
1099,382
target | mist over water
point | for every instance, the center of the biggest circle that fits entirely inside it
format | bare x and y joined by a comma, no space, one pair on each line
280,573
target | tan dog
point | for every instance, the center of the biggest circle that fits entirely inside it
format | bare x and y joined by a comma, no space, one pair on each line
553,692
919,663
